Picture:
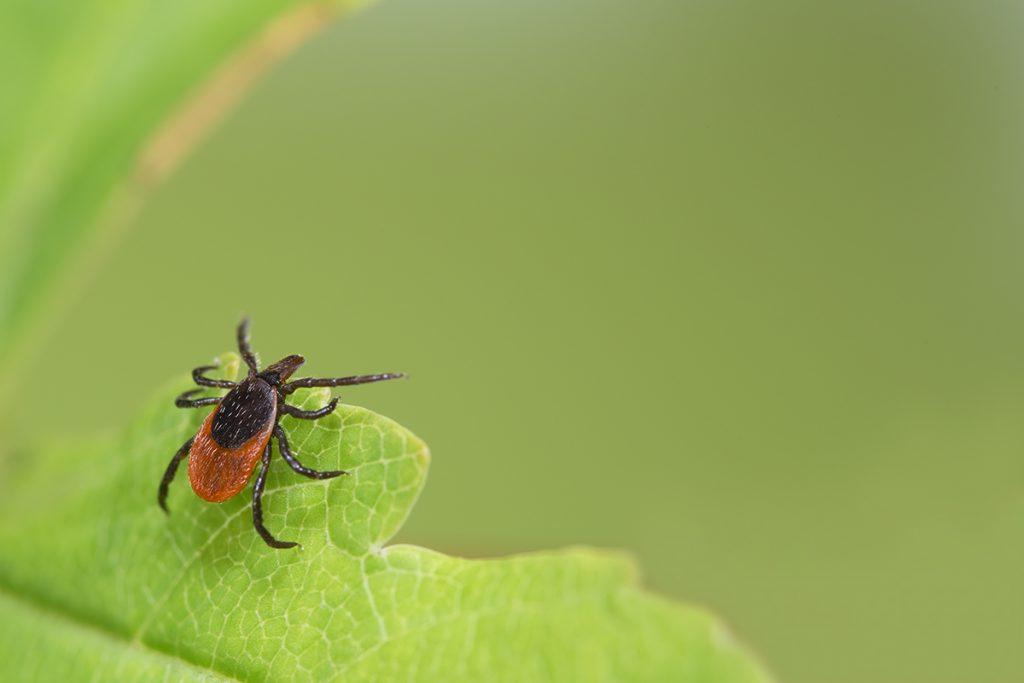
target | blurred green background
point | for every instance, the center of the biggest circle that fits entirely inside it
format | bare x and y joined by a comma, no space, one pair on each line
734,285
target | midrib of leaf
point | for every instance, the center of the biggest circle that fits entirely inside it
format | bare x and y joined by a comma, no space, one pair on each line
268,496
27,603
137,643
381,626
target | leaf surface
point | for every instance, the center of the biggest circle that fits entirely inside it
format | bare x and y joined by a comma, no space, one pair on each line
97,584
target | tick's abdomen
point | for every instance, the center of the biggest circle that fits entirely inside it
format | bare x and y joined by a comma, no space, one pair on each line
244,413
231,441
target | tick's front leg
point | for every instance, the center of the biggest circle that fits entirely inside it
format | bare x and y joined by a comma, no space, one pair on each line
203,381
184,401
243,347
307,382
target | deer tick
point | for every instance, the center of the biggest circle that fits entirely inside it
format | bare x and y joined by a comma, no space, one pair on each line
237,433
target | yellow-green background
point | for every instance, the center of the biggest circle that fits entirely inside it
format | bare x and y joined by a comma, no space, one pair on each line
735,285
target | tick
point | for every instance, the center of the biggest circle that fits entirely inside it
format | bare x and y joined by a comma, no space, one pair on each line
238,432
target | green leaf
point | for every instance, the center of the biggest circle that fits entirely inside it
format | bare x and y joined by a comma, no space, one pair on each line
100,100
97,584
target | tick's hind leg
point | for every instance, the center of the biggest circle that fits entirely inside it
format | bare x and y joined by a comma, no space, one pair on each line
257,505
286,453
198,378
244,348
185,400
172,469
309,414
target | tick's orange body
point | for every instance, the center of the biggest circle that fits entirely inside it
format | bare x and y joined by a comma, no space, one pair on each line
218,473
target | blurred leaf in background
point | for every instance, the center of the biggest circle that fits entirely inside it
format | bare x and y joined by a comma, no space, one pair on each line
97,584
86,88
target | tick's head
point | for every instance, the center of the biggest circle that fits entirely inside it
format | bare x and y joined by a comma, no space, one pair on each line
279,372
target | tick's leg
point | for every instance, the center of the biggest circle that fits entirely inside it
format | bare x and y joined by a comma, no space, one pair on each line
172,469
309,414
243,347
286,453
257,505
184,401
338,381
197,377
